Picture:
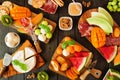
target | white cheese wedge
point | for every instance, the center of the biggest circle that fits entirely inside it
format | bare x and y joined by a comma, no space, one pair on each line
22,56
29,52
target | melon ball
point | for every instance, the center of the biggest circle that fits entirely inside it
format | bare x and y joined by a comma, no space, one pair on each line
65,52
12,39
42,37
43,31
51,27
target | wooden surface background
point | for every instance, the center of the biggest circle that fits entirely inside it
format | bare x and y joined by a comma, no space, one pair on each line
48,49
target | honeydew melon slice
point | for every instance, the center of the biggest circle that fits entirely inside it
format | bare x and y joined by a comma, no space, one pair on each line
101,15
103,11
102,23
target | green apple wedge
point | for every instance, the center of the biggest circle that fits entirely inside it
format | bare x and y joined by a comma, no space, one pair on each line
100,15
102,23
105,12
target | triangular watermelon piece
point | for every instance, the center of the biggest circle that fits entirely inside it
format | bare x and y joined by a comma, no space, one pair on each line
82,54
78,62
108,52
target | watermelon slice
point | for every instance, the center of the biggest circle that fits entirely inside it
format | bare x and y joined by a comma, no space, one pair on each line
108,52
78,62
82,54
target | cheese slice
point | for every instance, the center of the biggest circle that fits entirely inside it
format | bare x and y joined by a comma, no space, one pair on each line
29,52
21,57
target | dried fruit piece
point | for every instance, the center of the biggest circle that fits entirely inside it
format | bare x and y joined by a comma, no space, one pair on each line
77,48
55,65
60,59
59,50
116,32
64,66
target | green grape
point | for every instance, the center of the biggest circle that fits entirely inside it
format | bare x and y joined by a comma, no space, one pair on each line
118,9
37,32
115,7
49,35
44,23
109,3
110,8
114,3
119,4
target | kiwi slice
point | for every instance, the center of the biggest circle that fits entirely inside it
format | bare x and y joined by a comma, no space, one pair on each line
42,76
6,20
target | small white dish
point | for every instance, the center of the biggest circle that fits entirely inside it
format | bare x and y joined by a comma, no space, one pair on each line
65,23
12,39
75,9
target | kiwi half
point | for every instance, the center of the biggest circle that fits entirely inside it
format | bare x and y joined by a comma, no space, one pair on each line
6,20
42,76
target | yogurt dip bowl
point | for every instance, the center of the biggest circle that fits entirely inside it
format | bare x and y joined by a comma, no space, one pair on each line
12,39
75,9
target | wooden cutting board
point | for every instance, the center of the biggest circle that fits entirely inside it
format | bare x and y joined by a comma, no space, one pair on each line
10,70
86,15
67,58
50,22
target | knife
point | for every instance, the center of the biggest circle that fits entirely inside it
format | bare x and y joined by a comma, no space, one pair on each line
6,62
91,70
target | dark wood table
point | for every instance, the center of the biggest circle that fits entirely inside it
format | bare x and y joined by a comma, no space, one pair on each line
48,49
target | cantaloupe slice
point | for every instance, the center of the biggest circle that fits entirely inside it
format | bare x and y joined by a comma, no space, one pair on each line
117,60
37,19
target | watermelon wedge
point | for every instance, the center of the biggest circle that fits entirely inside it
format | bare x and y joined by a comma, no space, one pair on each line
82,54
108,52
78,62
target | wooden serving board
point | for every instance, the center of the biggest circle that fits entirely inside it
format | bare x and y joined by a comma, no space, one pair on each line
61,72
86,15
11,72
50,22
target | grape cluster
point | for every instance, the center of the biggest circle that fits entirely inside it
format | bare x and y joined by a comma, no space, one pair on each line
114,5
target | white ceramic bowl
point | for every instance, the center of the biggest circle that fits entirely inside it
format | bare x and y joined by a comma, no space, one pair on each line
12,39
66,29
77,7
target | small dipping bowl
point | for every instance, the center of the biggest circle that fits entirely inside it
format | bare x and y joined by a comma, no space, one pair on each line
12,39
75,9
65,23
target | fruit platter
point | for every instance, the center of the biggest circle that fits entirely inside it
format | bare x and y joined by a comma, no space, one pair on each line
70,58
59,40
99,28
